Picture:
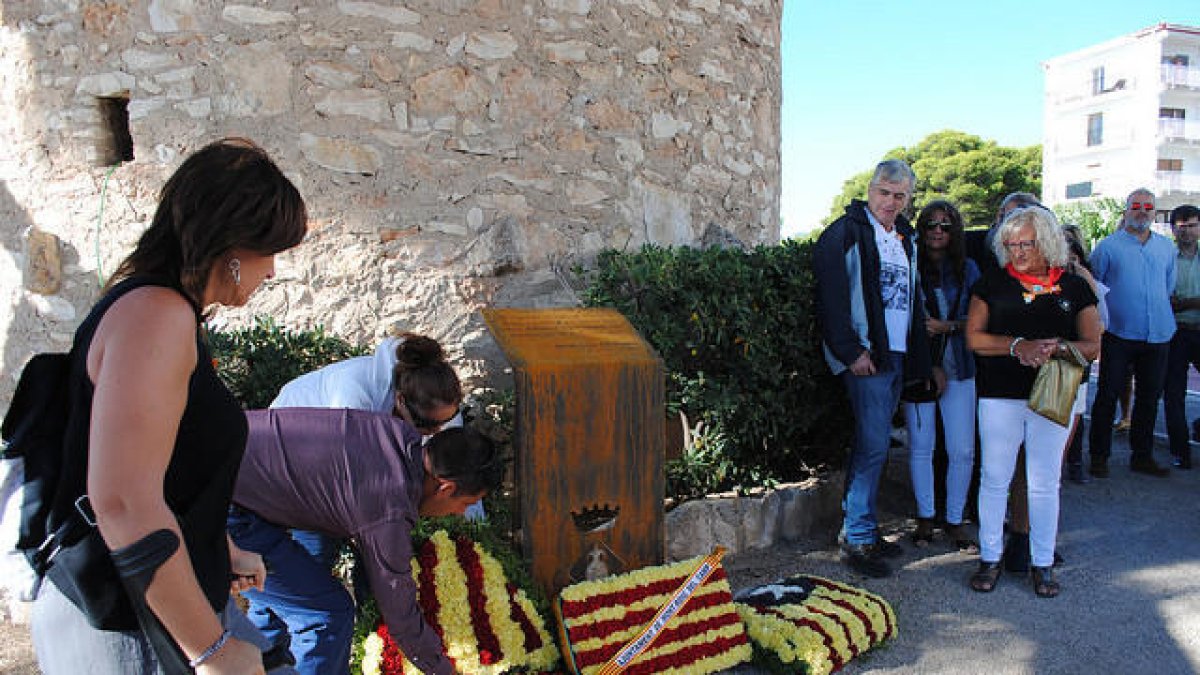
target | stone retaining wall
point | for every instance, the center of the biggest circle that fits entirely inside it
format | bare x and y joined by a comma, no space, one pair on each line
811,509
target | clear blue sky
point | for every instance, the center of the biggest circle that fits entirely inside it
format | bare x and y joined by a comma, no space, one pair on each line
863,77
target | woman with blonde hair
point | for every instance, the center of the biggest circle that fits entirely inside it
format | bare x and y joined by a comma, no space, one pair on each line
1021,316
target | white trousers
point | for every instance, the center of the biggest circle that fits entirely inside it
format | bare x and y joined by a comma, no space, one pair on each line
1004,424
958,419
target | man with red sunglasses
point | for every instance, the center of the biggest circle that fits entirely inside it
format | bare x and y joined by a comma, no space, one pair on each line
1138,266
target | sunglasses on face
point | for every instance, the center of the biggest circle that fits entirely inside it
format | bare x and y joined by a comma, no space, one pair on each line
1141,206
421,422
943,225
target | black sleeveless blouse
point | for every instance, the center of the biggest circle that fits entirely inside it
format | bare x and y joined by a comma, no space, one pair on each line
208,448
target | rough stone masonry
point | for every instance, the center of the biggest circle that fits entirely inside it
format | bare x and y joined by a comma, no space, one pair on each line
454,153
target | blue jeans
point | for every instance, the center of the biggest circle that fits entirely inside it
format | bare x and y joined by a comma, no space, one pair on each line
873,400
1149,363
957,404
301,599
1184,352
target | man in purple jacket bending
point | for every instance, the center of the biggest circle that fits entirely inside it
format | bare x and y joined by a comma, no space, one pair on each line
349,474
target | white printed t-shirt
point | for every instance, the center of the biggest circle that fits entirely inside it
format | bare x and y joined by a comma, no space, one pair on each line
894,284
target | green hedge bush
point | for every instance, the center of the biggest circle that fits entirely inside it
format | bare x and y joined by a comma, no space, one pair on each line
256,362
737,332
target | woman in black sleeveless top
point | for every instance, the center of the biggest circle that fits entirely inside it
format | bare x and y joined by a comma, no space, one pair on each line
164,437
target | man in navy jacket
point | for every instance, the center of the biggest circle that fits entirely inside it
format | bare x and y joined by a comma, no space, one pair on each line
872,325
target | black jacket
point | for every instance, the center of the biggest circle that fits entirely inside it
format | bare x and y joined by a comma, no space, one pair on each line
850,297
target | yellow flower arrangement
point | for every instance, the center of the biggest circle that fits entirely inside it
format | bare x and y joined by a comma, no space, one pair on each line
833,624
488,627
600,619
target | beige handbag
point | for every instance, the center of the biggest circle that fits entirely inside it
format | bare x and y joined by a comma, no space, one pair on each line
1057,383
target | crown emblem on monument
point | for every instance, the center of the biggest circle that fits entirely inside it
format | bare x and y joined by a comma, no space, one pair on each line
595,518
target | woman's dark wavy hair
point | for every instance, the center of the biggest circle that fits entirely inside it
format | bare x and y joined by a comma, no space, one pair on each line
1075,244
422,375
468,458
227,195
956,251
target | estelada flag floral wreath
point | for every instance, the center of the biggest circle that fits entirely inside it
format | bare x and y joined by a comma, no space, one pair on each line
599,619
487,624
813,625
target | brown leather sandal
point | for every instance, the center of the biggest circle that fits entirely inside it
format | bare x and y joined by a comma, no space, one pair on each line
1044,583
985,578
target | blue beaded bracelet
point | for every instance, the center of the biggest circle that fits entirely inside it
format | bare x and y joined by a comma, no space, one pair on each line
211,651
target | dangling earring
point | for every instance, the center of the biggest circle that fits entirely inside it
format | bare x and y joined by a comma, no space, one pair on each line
235,268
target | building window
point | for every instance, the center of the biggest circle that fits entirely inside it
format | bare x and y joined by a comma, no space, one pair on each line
1171,122
1098,80
115,143
1078,190
1095,129
1170,165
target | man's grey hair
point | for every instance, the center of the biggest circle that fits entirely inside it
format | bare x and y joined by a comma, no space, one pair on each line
1139,191
1051,240
1015,200
1129,200
894,171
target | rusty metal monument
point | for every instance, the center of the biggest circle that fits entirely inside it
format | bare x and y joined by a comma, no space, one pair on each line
589,441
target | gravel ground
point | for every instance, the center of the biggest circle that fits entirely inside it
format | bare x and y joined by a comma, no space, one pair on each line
1130,601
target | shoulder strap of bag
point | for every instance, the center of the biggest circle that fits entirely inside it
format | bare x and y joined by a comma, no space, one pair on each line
81,519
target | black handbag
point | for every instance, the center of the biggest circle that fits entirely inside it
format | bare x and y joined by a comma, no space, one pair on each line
921,390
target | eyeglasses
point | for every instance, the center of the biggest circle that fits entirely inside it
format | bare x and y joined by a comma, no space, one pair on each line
943,225
424,423
1141,206
1021,245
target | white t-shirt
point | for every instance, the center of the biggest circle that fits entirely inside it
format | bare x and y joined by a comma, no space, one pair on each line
894,284
360,383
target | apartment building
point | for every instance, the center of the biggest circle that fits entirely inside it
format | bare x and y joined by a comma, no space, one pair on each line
1125,114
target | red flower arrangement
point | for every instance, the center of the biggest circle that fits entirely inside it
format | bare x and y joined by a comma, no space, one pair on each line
656,620
487,624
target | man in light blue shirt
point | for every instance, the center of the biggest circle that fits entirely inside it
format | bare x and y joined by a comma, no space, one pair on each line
1138,266
1185,346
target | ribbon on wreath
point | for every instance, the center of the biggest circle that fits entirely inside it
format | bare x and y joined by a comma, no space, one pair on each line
646,637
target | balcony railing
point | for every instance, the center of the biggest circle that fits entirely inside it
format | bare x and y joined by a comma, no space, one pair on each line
1179,130
1175,181
1181,76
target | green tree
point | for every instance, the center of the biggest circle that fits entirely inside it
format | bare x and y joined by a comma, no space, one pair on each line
1097,218
972,173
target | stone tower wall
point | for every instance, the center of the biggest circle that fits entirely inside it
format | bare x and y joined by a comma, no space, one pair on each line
453,153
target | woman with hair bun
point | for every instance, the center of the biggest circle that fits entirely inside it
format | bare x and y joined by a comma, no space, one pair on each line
407,375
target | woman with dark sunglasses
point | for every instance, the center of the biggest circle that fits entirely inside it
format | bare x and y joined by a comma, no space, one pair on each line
407,376
946,279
